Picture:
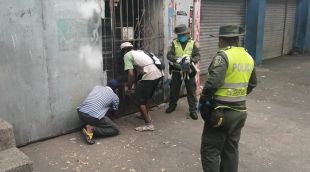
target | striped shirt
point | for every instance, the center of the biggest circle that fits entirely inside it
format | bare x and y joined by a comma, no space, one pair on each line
99,101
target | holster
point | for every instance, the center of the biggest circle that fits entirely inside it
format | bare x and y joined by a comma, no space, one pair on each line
213,117
172,68
216,118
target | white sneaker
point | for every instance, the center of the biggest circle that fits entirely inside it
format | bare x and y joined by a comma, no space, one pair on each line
149,127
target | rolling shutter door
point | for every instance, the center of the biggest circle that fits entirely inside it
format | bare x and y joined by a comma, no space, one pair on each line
289,26
274,28
216,13
279,27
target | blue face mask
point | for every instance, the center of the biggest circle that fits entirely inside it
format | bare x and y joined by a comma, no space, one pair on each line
182,38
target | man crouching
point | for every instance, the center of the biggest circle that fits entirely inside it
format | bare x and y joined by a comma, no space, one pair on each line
99,103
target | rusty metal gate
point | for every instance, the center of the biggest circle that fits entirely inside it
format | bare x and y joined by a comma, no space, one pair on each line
139,22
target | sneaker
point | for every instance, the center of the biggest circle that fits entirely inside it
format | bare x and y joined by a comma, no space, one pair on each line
193,115
170,109
149,127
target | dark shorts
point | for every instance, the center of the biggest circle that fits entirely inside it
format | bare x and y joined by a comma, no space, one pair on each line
145,90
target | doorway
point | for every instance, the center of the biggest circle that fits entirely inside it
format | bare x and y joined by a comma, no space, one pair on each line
136,21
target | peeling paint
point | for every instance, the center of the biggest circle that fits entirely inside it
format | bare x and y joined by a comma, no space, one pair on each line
197,6
171,19
13,41
91,56
88,8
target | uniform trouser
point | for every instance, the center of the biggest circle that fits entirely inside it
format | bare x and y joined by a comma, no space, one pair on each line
102,128
175,85
219,146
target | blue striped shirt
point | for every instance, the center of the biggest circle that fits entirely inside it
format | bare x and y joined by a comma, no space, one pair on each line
99,101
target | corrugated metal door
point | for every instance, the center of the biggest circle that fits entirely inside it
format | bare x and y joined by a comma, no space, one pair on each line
289,26
274,28
216,13
279,27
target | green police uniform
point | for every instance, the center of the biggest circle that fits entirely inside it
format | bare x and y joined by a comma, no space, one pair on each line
177,50
231,77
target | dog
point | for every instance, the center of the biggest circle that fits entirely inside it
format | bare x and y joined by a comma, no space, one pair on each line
185,67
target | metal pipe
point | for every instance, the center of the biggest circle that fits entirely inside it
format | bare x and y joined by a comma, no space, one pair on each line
112,7
138,9
121,17
144,11
127,17
133,19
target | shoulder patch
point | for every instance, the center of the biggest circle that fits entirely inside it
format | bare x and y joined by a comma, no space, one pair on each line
217,60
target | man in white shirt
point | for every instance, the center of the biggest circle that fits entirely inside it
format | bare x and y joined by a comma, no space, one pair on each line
144,65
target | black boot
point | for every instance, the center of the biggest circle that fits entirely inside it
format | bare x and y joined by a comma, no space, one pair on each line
193,115
170,109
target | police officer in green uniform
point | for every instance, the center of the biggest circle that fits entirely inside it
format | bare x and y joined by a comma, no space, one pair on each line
181,47
222,102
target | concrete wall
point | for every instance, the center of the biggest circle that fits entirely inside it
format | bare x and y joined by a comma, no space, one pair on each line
50,59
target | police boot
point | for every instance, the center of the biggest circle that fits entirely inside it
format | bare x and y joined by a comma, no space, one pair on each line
193,115
170,109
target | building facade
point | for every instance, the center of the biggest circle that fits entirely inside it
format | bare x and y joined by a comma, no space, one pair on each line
52,52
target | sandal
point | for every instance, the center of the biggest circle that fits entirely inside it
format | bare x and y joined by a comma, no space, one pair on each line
88,137
149,127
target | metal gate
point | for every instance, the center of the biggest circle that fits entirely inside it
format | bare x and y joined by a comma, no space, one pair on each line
279,27
215,13
136,21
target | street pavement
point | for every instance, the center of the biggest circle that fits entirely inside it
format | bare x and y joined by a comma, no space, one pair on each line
274,139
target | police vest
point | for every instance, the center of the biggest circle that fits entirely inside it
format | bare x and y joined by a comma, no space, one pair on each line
240,67
179,52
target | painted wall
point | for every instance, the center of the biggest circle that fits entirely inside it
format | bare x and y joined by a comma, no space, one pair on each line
176,12
50,59
255,22
302,29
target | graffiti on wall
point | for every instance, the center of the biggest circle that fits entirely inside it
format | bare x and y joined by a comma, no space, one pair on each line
171,19
80,32
197,5
91,53
179,12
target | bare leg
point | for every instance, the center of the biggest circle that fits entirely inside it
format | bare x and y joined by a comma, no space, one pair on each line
146,116
89,128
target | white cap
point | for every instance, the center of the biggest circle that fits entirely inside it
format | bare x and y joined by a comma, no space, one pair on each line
126,44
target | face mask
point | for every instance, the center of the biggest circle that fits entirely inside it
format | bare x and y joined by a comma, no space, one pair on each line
182,38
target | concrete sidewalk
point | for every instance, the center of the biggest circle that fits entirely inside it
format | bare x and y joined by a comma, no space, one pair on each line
275,138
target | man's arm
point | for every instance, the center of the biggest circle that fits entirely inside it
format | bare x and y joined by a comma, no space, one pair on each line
115,103
252,82
128,61
217,72
171,53
195,53
130,78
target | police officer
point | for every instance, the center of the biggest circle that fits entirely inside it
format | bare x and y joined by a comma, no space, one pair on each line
222,103
181,47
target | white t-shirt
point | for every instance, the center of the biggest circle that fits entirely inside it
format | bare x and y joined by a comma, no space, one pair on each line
143,64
